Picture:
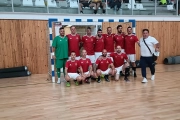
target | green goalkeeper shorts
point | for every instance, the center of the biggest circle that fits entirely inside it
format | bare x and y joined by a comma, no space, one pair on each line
60,63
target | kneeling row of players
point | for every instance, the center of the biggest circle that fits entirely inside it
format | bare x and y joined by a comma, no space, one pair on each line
82,69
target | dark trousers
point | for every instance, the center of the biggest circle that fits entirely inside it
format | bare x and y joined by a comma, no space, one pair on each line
147,61
116,3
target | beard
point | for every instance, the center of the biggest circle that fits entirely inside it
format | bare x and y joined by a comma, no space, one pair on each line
118,51
104,55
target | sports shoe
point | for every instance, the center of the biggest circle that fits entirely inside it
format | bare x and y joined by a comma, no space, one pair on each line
144,80
102,76
99,80
106,78
135,74
152,77
80,82
126,79
68,84
59,81
76,82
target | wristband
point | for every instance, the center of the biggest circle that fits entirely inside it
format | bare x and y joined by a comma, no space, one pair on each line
52,53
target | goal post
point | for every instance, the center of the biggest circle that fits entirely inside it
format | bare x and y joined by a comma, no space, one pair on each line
81,24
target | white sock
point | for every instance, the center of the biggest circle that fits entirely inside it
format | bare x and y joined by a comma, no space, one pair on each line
59,80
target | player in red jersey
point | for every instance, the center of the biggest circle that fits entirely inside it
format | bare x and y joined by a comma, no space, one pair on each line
85,67
99,44
105,67
119,59
71,69
130,41
88,42
74,41
119,38
109,40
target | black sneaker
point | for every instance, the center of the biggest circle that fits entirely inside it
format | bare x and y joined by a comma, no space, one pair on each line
81,12
80,82
99,80
135,74
126,79
106,78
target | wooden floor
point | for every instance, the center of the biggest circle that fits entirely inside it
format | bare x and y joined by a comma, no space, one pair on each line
35,98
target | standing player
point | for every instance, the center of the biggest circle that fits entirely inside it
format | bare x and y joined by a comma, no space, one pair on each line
130,41
109,41
88,42
85,67
99,44
119,64
74,42
119,38
71,69
60,47
105,67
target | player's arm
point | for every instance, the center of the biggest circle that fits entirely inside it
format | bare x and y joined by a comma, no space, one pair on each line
137,41
90,68
66,69
96,65
112,66
81,70
80,42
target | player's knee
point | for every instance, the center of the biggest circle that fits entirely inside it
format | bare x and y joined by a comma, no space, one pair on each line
67,78
98,72
79,78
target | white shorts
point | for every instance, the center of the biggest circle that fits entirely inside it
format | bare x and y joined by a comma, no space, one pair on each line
97,54
77,58
86,73
110,57
131,57
118,69
105,72
73,75
91,57
122,50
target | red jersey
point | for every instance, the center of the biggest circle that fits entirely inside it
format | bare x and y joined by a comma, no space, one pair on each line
72,66
130,41
88,44
119,40
103,64
118,59
109,42
99,44
85,64
73,43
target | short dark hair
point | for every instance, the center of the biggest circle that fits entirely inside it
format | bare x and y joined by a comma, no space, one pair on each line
73,52
61,28
72,26
99,29
145,30
88,28
119,26
129,27
108,28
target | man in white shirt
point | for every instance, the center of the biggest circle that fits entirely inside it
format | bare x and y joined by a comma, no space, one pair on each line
146,55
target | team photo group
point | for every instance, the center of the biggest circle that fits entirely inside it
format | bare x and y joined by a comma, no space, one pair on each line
89,57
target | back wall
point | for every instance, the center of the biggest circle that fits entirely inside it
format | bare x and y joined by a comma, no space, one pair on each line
24,42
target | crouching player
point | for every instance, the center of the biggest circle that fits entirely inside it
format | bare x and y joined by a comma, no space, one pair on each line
121,63
85,67
71,70
104,66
